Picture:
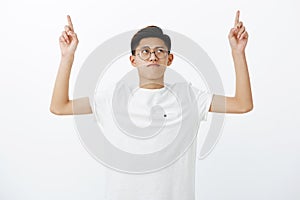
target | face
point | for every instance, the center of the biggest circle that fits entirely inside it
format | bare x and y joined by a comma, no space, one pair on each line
154,67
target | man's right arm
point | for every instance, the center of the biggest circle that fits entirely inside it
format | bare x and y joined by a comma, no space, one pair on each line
60,102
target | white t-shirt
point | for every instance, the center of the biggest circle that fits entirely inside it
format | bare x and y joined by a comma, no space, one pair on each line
177,180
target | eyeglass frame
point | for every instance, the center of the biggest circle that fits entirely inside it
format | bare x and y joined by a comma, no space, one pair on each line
153,51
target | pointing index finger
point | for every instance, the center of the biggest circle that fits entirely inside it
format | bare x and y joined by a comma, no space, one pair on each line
237,18
70,22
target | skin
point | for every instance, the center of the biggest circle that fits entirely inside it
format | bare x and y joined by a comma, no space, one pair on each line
242,101
151,72
152,77
60,102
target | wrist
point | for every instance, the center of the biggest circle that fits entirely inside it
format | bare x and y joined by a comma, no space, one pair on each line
67,56
66,61
238,52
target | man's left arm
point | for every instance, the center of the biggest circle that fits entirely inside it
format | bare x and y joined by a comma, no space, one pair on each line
242,101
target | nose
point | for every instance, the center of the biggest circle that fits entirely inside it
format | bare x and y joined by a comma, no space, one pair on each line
153,57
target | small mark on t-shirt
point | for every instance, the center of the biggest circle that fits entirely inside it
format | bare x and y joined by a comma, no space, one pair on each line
165,115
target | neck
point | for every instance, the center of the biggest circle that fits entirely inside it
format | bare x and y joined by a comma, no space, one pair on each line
152,84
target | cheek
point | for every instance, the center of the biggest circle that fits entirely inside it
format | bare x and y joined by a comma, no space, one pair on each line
165,64
139,63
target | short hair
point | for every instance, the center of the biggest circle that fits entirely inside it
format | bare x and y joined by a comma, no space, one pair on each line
147,32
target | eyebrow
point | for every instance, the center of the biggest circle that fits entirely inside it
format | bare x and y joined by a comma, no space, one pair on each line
154,47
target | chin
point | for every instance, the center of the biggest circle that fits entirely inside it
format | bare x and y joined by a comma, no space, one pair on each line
153,76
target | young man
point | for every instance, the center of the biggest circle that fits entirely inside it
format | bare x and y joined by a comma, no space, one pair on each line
151,55
241,102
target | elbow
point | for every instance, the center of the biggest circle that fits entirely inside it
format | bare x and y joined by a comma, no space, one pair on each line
246,108
61,109
244,105
55,110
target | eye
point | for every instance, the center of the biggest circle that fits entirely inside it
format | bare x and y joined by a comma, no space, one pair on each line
145,51
160,51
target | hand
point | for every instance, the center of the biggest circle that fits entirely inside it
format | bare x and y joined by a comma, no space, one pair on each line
68,40
238,36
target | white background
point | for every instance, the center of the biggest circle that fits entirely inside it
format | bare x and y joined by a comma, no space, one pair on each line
41,156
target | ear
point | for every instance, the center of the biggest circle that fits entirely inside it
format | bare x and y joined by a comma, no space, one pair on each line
132,60
170,59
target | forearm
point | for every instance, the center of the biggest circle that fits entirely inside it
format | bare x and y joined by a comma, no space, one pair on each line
60,96
243,94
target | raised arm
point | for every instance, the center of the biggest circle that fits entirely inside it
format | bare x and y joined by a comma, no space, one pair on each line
60,102
242,101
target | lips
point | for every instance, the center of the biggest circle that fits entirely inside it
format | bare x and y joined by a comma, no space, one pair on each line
153,65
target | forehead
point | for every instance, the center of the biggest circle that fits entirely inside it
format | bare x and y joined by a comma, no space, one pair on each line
151,42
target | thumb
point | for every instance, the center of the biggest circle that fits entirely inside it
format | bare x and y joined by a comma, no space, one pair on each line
232,32
73,35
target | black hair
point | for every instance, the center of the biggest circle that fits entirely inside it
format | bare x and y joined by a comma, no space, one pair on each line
150,31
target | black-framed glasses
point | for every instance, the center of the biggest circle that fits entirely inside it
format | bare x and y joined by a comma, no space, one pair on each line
145,53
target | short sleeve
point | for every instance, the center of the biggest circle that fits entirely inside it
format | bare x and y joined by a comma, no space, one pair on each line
100,104
204,99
